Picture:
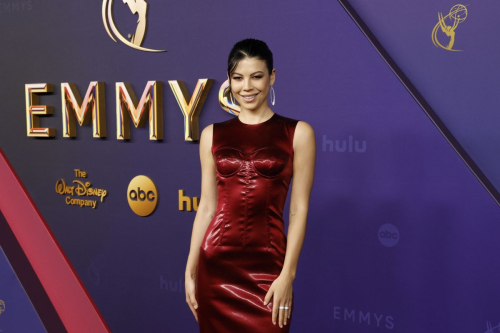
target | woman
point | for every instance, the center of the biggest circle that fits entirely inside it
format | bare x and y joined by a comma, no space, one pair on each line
241,265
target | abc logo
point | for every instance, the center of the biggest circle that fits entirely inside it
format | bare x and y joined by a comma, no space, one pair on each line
142,195
388,235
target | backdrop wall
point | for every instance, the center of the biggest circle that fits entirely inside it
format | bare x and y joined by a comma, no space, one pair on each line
401,236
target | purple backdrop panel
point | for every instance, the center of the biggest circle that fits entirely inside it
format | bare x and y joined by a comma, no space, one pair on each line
457,73
400,234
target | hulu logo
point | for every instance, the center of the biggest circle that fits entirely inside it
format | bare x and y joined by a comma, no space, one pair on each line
344,146
170,285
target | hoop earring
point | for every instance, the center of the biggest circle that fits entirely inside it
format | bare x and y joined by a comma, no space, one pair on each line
273,98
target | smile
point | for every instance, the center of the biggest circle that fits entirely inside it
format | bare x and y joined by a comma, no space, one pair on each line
249,98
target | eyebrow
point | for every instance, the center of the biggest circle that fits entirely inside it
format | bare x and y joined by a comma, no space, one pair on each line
250,74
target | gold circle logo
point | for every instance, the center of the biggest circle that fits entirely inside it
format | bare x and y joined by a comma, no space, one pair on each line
142,195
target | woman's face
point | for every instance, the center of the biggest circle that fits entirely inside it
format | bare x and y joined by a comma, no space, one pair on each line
251,78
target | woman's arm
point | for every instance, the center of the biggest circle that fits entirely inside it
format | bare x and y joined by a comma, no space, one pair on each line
206,210
304,146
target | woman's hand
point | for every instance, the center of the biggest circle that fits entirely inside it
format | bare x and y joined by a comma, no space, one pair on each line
190,286
281,292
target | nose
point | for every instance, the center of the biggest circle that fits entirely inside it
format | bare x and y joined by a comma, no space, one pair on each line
247,85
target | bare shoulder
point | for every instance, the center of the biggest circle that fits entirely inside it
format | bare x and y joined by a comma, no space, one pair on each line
206,139
304,128
208,131
207,134
304,134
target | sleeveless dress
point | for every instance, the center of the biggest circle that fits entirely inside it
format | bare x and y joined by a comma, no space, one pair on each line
244,247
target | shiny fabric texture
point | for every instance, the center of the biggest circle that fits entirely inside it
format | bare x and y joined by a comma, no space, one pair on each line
244,247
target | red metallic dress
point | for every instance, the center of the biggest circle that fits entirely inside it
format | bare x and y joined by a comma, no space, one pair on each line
244,247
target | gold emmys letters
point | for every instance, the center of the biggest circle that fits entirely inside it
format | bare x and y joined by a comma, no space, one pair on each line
191,110
72,106
149,107
127,108
33,110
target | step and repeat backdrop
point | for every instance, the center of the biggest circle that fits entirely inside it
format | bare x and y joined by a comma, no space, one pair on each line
102,104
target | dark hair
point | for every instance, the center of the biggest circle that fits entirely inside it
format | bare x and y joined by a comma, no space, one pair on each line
251,48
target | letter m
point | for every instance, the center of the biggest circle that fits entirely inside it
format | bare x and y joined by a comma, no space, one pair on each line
150,106
349,314
364,317
93,103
